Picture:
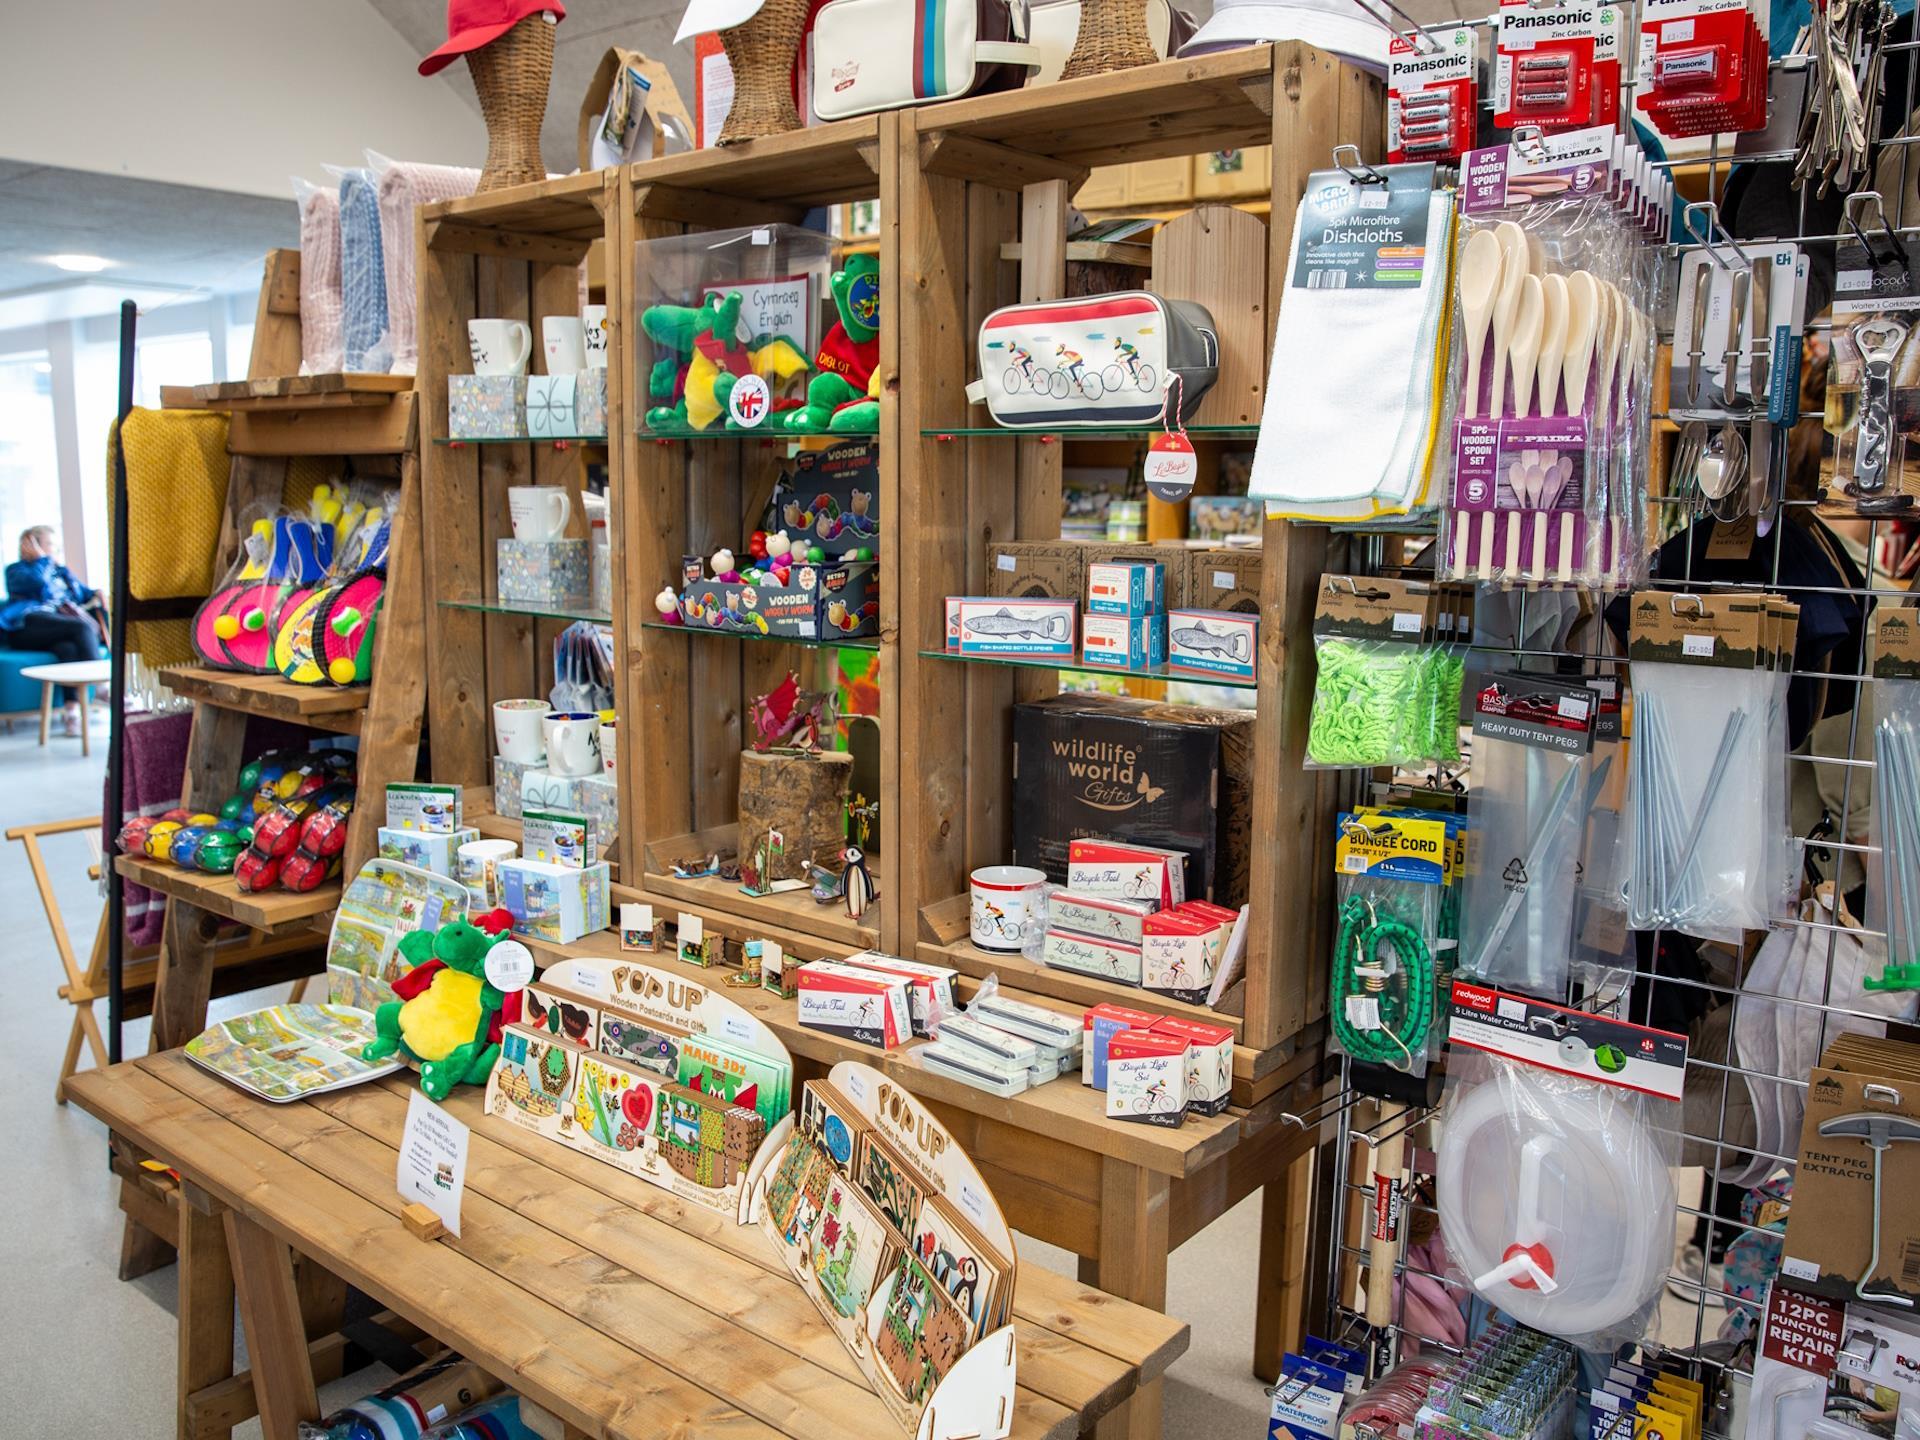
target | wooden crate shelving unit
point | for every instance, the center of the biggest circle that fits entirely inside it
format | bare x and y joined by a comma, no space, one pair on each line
510,254
686,696
985,168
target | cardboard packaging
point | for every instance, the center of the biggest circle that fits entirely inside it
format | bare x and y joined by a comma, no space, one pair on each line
543,572
487,407
639,930
830,499
1099,916
1124,642
1037,570
543,790
1147,1078
1016,627
434,808
1126,587
1224,578
1176,776
1180,953
1103,1022
552,407
1084,955
822,602
563,1014
929,987
590,402
1032,1022
869,1007
1172,560
558,837
599,797
1151,875
1209,1061
554,902
1216,642
508,779
988,1046
1830,1237
426,850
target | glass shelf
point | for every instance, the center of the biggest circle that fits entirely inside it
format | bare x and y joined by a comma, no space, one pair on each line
769,435
1117,432
1078,666
452,443
530,609
866,642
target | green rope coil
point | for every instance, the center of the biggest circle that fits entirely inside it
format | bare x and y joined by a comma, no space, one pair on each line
1406,999
1377,703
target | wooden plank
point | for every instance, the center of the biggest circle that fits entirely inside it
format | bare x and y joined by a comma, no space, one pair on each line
355,430
991,163
711,207
822,164
1280,1317
457,712
1134,1241
397,697
325,707
220,895
276,1339
567,206
894,915
1099,252
204,1311
215,1410
276,319
502,290
795,911
562,1363
711,714
464,238
1216,256
1038,465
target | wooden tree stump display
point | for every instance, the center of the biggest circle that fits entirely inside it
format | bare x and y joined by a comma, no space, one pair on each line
803,795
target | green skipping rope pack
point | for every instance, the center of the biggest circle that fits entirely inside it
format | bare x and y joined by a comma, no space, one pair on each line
1392,953
1391,658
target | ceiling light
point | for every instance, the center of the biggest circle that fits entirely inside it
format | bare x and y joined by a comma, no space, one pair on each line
79,264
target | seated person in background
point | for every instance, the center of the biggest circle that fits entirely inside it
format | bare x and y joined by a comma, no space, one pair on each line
47,608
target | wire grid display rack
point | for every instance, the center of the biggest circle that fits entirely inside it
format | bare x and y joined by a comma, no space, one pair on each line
1689,1327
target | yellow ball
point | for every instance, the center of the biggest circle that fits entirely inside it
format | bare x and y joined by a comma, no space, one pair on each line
341,671
226,627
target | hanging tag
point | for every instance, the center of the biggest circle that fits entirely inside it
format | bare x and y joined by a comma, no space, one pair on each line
509,966
1171,465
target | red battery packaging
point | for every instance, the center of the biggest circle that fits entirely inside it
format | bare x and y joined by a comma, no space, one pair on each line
1557,67
1703,67
1431,95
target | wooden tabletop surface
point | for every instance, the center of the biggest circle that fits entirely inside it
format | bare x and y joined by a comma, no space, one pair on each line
608,1301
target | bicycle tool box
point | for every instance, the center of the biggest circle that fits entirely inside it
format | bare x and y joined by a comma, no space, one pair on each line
1096,361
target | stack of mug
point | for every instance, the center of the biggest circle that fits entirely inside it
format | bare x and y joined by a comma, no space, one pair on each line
547,759
570,400
538,565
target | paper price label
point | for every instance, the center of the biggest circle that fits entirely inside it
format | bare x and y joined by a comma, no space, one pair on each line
1171,467
1406,622
509,966
1698,646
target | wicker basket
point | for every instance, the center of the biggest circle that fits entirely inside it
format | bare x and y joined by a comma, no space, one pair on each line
1113,36
762,53
511,76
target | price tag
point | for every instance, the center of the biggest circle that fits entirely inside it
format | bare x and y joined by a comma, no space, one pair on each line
432,1164
509,966
1698,646
1171,467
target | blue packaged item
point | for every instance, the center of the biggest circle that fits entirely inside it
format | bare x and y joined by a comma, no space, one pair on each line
1219,642
1126,587
363,275
1126,642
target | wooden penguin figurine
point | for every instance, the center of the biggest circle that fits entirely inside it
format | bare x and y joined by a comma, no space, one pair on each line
856,884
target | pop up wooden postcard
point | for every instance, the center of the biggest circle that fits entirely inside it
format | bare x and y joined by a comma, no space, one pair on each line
598,1063
895,1237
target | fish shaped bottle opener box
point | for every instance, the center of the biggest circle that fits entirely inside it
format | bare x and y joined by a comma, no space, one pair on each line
1221,642
983,626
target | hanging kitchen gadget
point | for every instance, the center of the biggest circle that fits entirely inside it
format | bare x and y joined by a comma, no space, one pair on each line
1578,1116
1535,779
1868,465
1709,849
1556,283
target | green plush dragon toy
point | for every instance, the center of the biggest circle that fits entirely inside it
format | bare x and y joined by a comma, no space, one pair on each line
447,1018
843,394
702,358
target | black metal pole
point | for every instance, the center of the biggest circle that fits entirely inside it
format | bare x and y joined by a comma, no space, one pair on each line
117,691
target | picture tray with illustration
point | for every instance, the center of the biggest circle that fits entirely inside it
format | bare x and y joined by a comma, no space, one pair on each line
895,1237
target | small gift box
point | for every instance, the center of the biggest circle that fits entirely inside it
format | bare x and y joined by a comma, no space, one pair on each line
590,403
486,407
600,801
509,776
543,572
550,407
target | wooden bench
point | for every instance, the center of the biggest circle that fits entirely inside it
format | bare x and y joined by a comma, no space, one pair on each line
604,1300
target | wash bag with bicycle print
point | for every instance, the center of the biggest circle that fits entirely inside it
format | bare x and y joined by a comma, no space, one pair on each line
1094,361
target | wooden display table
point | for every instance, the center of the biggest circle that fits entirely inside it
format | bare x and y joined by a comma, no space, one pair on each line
606,1301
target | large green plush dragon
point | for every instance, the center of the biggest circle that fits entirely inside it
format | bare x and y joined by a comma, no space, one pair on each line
447,1018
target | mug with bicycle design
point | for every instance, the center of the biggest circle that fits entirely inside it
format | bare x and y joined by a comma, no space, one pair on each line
1007,904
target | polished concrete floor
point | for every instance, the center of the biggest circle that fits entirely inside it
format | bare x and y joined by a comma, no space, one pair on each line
87,1356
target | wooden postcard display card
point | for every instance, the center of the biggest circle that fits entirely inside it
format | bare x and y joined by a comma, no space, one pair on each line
890,1230
664,1077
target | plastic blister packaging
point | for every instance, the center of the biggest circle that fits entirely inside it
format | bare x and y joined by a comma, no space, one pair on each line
1386,983
1893,903
1576,1239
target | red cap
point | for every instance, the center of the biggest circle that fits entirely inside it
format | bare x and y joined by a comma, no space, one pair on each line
473,23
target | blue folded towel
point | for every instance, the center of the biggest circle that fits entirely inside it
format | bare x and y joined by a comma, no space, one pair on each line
363,275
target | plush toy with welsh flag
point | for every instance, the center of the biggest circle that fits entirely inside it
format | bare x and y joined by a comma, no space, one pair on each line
844,393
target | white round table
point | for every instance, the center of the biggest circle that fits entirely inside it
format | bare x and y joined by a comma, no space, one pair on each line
82,675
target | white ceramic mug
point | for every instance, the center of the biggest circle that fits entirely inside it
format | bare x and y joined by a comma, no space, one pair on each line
500,347
573,742
474,867
595,318
565,337
1005,898
609,744
539,512
517,734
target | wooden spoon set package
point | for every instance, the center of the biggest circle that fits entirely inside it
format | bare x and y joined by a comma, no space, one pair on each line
1555,288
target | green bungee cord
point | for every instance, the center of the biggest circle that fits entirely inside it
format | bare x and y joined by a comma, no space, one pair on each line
1405,1009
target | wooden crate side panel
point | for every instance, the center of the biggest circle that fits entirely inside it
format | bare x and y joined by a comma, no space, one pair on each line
504,292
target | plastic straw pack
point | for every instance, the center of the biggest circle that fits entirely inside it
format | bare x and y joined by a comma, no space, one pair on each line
1709,850
1555,284
1536,781
1391,658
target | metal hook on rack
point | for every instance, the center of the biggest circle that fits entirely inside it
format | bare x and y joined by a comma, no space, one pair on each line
1855,206
1360,172
1531,142
1712,212
1415,34
1410,1118
1699,605
1322,1110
